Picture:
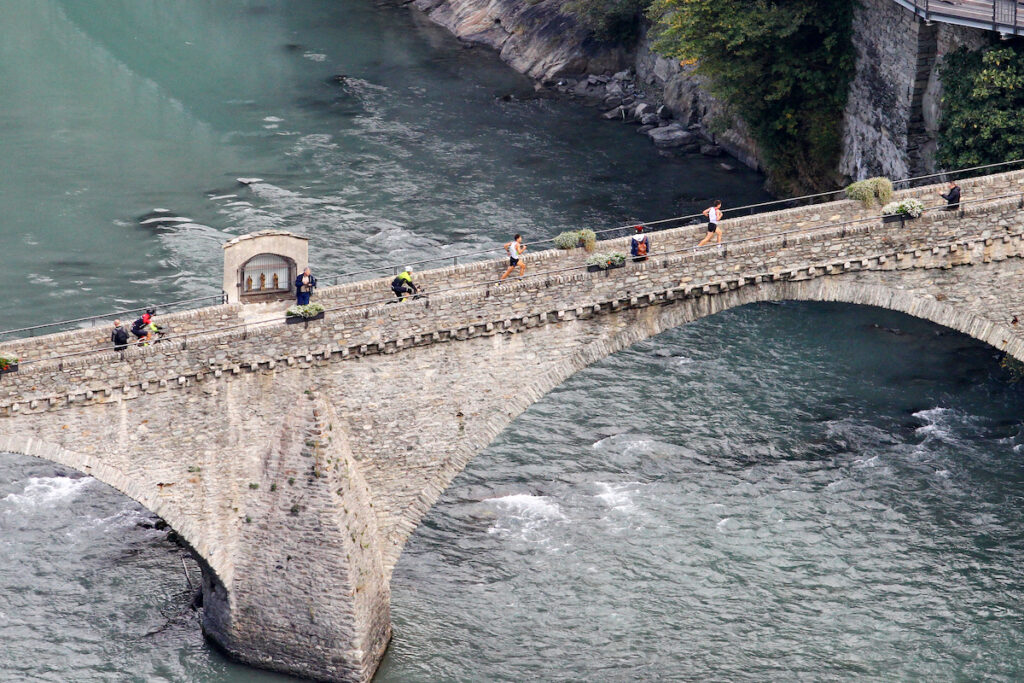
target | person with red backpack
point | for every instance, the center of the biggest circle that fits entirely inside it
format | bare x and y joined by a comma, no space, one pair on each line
640,245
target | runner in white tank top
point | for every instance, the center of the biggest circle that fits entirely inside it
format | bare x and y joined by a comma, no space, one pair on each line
714,214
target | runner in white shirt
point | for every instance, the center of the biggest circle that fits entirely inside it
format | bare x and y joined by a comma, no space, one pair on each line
515,250
714,214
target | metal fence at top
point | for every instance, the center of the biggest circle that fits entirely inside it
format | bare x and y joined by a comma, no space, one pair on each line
481,255
104,318
865,223
1003,16
654,226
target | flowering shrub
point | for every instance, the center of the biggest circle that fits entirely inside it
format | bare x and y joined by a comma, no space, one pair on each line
307,311
7,361
567,240
571,239
904,207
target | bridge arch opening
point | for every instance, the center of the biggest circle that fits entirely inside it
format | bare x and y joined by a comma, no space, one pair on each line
732,496
98,573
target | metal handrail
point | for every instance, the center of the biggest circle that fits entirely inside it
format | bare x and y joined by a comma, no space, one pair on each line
658,225
106,316
694,251
996,21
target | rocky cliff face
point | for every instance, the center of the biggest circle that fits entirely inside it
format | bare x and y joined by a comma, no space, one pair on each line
890,122
685,94
534,38
893,111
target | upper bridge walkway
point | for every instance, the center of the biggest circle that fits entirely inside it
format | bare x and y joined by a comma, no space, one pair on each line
1004,16
751,245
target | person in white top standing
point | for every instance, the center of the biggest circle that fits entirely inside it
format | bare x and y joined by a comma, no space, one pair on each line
515,250
714,214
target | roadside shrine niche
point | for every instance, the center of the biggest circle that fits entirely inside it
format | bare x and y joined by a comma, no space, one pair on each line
266,274
262,266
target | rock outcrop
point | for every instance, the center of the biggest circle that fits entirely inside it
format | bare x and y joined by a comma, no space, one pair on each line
534,38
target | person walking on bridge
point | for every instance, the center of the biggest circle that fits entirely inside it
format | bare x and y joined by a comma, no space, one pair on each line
640,245
515,250
952,197
304,286
714,214
119,336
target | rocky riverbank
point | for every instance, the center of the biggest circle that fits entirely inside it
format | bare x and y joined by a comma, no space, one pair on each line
629,83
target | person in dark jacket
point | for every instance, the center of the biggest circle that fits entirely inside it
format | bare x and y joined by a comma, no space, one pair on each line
952,197
304,286
640,245
119,336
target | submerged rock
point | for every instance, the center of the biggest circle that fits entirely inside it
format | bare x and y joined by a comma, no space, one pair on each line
615,114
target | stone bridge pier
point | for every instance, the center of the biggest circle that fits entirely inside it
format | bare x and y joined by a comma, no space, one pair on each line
267,495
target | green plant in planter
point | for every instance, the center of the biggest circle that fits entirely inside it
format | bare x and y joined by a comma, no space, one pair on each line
871,190
904,207
567,240
307,311
7,361
610,260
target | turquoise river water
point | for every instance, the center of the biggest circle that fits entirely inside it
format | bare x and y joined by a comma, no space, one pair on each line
780,492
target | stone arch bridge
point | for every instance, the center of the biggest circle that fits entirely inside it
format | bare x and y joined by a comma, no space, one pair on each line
296,460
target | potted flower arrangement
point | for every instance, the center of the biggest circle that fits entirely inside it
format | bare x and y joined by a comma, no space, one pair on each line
8,363
605,261
303,314
904,209
596,262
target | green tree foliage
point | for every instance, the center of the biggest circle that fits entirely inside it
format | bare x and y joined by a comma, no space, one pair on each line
610,20
783,65
983,105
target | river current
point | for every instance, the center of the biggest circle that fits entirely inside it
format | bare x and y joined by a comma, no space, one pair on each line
794,491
